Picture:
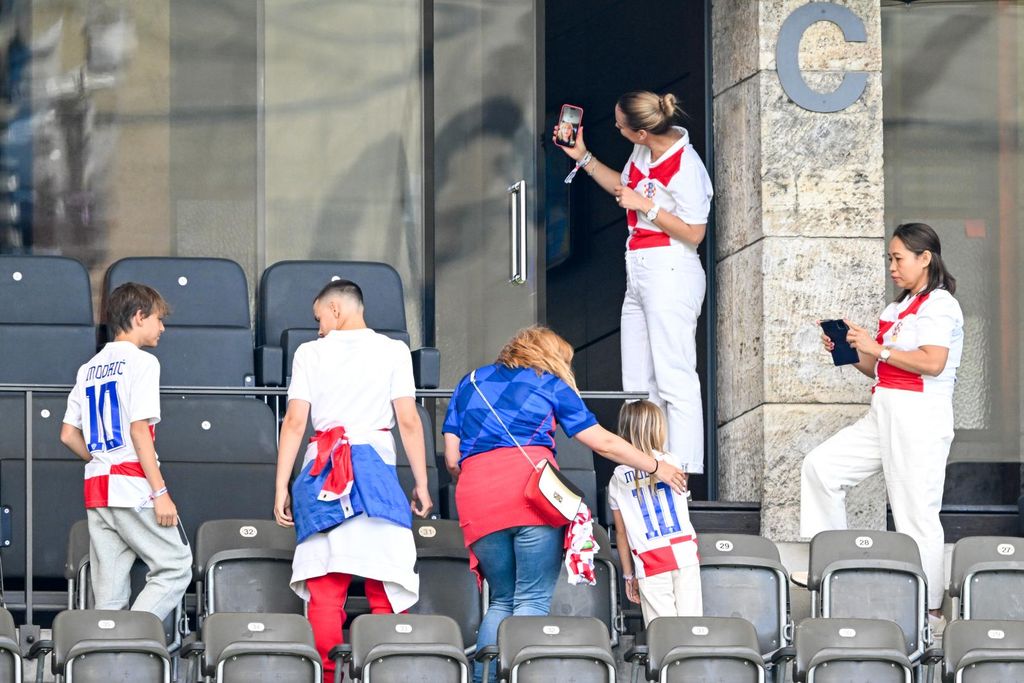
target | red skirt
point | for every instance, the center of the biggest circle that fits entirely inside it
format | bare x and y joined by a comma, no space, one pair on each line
489,495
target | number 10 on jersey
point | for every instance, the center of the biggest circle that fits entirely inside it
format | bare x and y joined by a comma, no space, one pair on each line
104,417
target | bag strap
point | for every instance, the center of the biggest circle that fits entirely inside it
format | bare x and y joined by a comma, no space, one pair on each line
537,465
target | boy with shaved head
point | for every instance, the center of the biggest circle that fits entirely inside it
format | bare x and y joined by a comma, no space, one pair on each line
350,514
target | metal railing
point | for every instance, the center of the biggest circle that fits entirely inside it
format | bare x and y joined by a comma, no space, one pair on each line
28,602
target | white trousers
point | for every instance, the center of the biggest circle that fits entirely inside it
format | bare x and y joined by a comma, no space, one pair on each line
664,294
906,435
671,594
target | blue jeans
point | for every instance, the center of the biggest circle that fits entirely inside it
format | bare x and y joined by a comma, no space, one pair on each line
521,566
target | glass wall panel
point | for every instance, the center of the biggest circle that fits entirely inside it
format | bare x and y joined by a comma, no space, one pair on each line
344,136
129,130
953,155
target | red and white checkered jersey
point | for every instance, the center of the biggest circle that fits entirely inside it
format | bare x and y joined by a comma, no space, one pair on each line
120,385
657,520
676,181
932,319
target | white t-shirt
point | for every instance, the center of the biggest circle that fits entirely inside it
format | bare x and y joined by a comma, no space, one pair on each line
932,319
677,182
350,378
657,520
118,386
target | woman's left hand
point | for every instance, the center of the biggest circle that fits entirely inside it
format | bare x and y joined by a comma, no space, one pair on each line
862,340
629,198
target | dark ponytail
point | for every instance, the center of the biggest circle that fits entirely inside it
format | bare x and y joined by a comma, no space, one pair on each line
919,238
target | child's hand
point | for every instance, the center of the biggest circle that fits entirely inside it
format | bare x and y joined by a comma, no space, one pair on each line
283,508
421,502
633,590
166,511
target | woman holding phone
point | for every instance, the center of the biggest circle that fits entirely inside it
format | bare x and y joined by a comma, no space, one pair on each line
908,430
666,193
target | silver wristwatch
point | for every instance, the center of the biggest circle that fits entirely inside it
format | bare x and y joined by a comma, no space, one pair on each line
653,213
884,355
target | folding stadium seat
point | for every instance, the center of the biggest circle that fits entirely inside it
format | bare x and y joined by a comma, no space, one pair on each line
285,315
871,575
535,649
99,646
208,341
742,576
219,457
600,600
244,565
46,322
850,651
690,649
405,475
57,476
46,333
80,596
10,651
983,651
447,586
256,648
987,578
403,647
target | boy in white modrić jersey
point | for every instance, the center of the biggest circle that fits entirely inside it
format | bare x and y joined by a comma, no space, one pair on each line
652,525
109,424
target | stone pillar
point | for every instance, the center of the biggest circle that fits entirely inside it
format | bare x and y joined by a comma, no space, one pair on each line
800,237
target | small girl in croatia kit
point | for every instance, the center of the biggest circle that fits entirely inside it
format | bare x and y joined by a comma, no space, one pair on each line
656,542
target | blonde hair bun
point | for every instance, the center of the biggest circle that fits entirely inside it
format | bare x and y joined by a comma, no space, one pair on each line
668,104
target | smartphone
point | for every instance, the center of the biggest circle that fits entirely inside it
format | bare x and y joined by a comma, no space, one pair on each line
568,125
842,352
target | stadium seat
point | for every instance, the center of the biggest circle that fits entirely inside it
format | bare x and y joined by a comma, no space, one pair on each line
871,575
285,315
10,651
57,476
218,456
405,475
256,648
447,586
684,649
742,576
46,321
983,651
244,565
847,650
535,649
208,338
403,647
80,595
600,600
987,578
99,646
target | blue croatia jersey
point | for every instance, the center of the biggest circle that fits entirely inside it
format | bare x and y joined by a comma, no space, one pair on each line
530,405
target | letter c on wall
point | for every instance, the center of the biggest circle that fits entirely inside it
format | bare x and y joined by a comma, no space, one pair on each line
787,57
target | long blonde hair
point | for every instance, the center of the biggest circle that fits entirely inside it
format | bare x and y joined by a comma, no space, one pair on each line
642,424
540,349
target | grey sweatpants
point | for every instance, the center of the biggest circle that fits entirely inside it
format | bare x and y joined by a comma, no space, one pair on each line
120,535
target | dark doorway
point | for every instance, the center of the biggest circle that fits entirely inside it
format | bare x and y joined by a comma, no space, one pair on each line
595,51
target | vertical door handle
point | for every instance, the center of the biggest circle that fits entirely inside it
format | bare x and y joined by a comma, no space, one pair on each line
517,223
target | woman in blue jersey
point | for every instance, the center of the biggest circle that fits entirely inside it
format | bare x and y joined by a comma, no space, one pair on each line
529,390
